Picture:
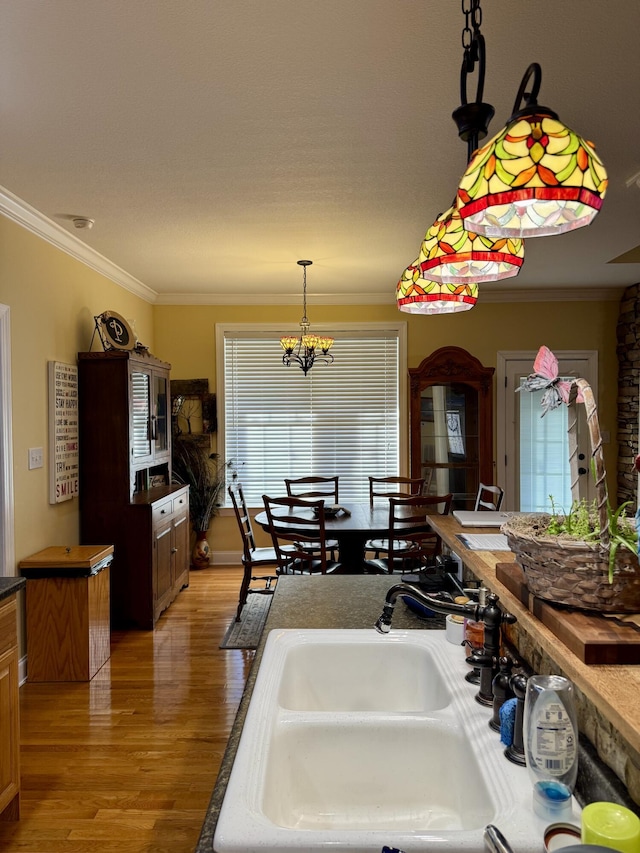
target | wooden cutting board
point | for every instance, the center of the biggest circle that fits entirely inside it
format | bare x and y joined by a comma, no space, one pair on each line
594,638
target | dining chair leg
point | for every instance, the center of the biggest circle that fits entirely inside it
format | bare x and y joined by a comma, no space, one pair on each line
244,590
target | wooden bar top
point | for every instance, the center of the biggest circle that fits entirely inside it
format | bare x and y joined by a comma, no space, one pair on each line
614,690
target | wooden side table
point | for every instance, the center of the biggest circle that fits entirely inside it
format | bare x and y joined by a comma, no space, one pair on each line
68,618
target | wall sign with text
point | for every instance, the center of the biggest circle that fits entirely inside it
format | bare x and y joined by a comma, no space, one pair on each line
63,432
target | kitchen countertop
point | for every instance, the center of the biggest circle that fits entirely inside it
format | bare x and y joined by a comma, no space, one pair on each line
613,689
355,601
9,586
338,601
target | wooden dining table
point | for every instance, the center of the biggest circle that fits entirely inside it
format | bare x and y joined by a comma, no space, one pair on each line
352,530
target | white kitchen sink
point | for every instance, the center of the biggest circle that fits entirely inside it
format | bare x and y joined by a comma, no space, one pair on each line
354,740
356,676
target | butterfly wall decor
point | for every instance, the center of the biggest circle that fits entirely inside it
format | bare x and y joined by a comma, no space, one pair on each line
545,377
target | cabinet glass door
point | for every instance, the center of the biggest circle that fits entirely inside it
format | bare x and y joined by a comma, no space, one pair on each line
140,409
160,431
449,440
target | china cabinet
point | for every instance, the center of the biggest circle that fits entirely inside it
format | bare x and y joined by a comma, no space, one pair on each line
126,495
452,424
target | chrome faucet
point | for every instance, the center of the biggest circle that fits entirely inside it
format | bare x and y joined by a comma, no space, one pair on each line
485,610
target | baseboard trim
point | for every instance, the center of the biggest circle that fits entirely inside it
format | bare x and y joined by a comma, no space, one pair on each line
225,558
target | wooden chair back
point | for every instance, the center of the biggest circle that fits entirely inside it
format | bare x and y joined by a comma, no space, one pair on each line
313,487
489,497
243,518
408,523
304,534
394,487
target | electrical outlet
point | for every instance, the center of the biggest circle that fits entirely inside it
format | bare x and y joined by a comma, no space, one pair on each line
36,457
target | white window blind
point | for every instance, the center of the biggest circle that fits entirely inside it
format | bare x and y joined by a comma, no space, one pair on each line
342,418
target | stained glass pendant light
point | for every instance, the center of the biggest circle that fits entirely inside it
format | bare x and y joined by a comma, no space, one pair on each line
536,178
450,253
307,349
415,295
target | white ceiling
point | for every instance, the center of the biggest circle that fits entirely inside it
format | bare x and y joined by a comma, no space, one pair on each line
216,142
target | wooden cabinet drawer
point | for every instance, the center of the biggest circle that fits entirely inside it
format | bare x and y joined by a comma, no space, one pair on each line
8,630
162,510
180,503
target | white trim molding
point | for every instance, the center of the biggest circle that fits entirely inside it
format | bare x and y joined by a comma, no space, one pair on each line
226,558
7,534
19,211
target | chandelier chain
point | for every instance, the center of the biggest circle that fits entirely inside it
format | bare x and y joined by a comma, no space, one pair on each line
304,321
472,15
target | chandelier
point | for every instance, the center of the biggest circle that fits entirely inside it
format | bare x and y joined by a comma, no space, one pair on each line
307,349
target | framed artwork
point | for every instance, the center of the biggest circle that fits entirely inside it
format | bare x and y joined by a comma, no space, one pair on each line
63,432
454,434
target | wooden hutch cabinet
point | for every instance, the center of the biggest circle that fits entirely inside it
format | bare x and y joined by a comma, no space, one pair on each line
452,424
126,495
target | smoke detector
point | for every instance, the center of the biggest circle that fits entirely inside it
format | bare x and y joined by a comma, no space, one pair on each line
81,222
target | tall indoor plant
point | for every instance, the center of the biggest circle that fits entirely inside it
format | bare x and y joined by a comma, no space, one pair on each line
206,475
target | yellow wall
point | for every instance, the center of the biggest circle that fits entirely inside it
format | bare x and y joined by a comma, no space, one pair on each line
483,331
52,299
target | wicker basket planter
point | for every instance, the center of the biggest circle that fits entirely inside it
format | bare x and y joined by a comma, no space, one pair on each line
569,571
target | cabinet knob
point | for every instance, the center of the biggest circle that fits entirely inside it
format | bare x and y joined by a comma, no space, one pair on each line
174,550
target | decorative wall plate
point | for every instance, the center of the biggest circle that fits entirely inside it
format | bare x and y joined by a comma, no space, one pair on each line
117,331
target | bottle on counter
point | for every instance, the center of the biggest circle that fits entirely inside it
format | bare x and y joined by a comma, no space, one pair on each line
551,744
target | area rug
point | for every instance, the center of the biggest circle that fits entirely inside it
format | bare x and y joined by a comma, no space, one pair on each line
246,633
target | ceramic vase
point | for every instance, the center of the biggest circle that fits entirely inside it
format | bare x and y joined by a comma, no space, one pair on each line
200,552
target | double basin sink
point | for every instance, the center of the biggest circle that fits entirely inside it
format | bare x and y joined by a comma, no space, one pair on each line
354,740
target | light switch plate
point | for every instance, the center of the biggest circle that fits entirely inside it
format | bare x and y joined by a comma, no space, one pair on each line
36,457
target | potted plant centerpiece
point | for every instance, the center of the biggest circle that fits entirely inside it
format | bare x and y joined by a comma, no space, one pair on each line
206,475
587,557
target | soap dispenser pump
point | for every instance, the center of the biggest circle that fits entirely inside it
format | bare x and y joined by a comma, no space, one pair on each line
551,744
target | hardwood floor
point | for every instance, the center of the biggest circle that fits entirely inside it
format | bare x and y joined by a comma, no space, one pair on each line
127,762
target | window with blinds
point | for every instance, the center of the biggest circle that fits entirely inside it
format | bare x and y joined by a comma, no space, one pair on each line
344,418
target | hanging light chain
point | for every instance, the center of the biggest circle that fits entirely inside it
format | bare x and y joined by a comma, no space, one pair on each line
472,15
304,322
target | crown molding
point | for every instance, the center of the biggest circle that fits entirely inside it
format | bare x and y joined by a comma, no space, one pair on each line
555,294
273,299
28,217
37,223
488,296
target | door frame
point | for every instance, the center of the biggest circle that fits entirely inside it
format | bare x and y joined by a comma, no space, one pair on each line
505,439
7,544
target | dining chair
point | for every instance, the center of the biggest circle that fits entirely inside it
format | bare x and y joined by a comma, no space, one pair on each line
408,523
315,487
303,530
253,558
489,497
391,487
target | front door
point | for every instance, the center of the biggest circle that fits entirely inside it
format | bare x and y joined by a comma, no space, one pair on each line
533,451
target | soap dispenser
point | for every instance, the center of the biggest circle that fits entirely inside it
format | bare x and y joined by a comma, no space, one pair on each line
551,744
